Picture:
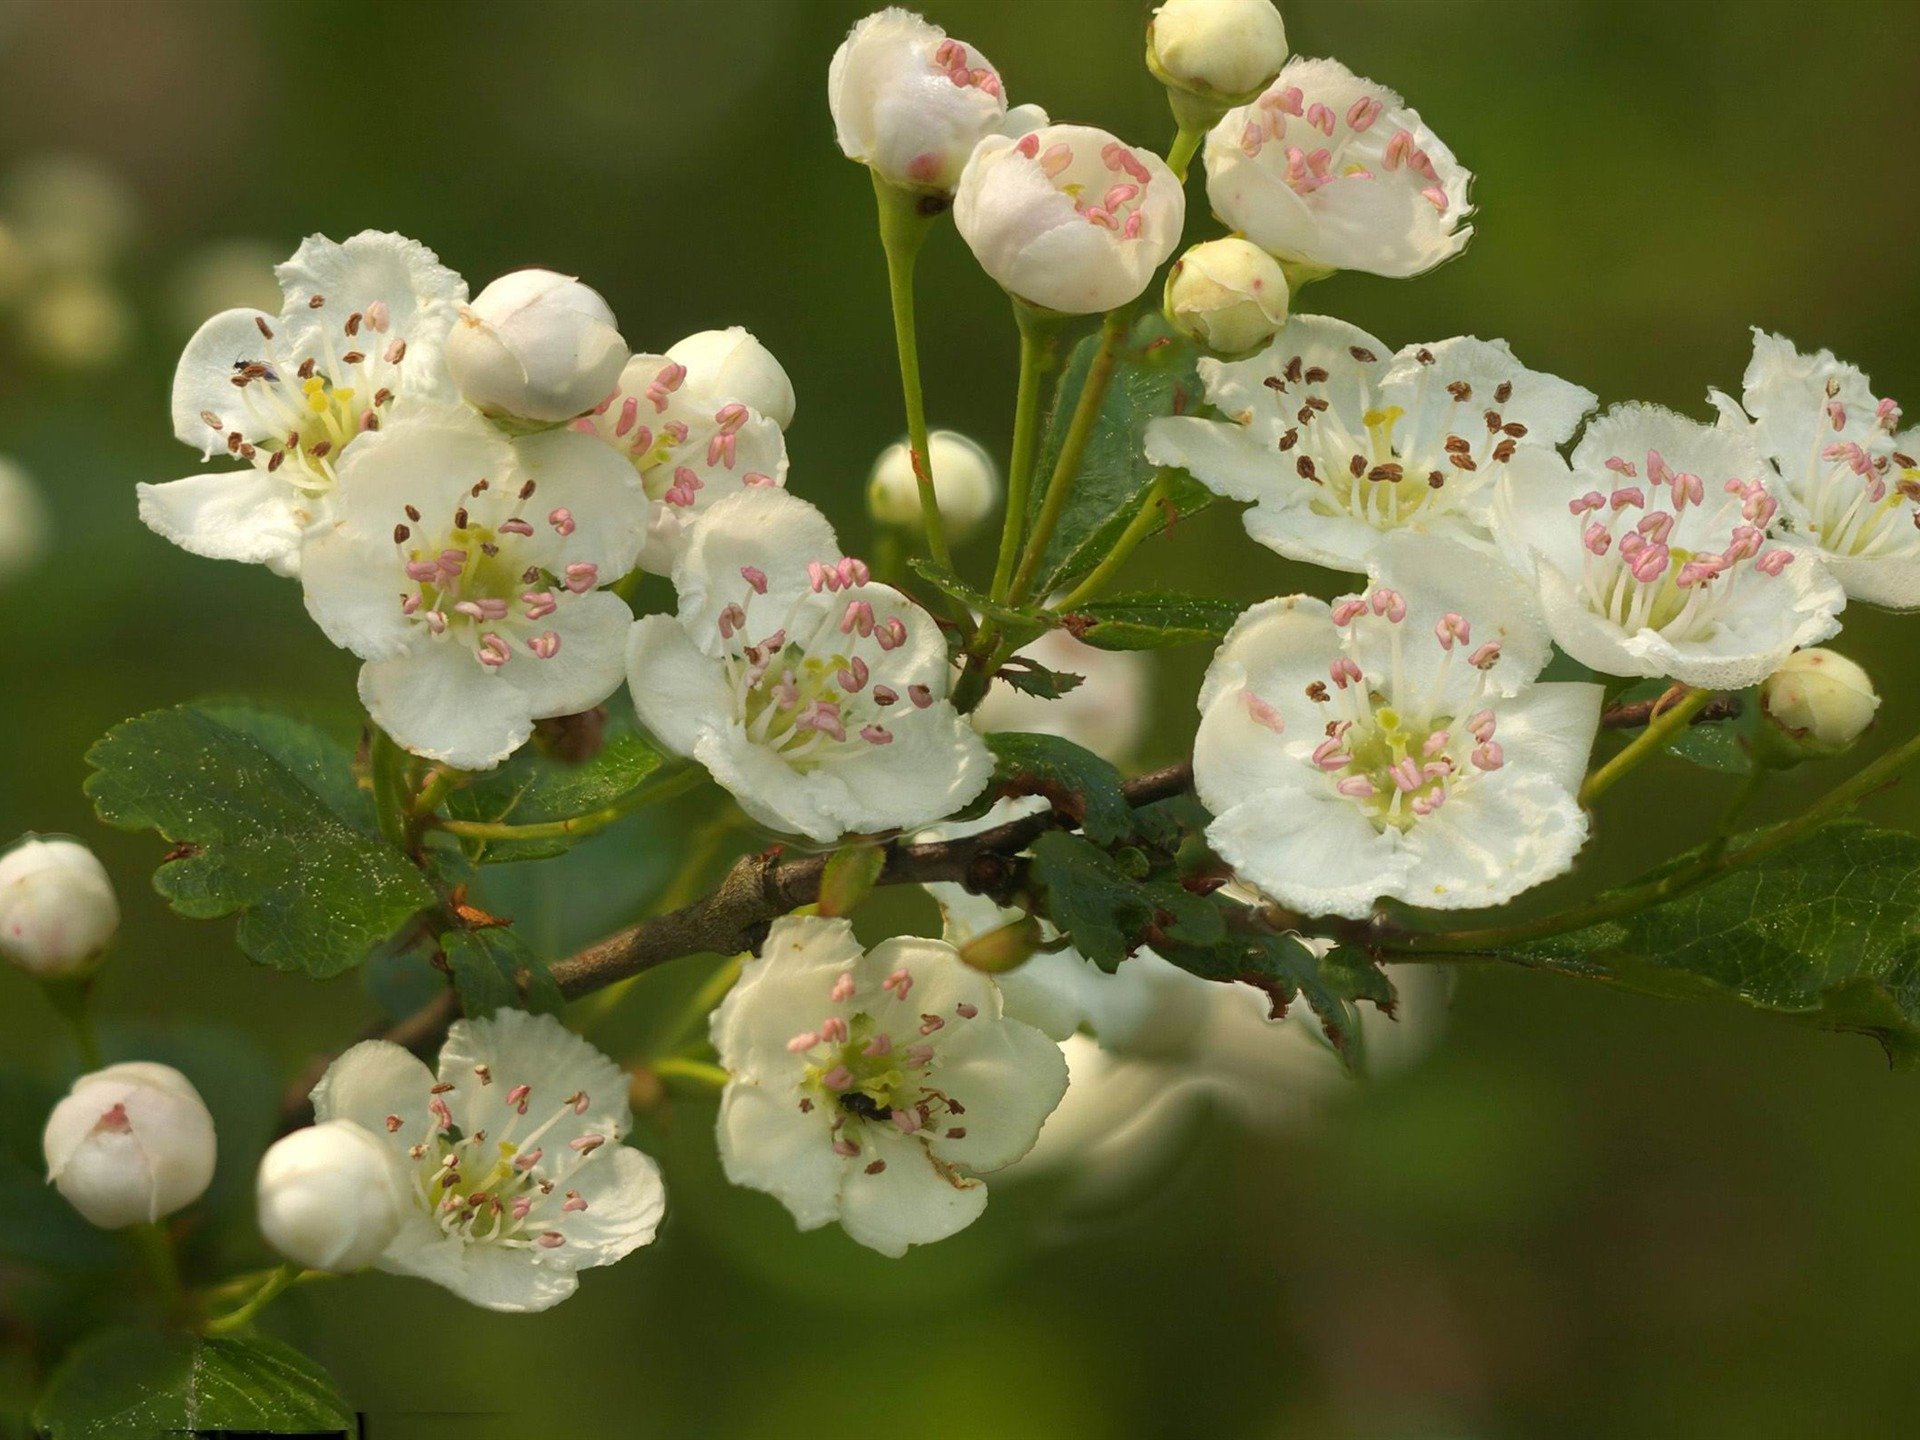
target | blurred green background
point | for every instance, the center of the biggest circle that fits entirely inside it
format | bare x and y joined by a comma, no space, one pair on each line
1585,1214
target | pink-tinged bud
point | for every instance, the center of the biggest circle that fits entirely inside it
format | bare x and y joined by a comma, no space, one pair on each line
129,1144
1818,703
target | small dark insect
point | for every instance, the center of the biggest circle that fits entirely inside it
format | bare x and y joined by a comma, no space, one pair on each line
858,1102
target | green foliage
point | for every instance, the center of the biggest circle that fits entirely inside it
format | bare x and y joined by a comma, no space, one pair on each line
1018,626
1152,621
267,823
1109,907
1288,971
539,785
1722,745
494,969
137,1384
1155,377
1030,677
851,873
1075,781
1825,930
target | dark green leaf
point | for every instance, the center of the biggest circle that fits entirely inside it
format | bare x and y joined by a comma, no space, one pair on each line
1155,377
536,786
1030,677
1333,985
252,804
37,1226
1076,782
1017,626
1153,621
1092,900
1826,930
494,969
140,1384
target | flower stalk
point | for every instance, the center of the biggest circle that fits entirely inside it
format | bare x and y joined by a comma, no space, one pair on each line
904,223
1662,728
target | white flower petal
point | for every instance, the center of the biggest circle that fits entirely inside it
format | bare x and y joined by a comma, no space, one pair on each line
244,515
575,473
768,1143
679,692
373,1080
911,1200
1315,853
440,702
1010,1077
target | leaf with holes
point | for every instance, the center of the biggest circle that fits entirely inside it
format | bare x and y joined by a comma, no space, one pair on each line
136,1384
1288,970
1152,621
266,824
1076,782
1109,906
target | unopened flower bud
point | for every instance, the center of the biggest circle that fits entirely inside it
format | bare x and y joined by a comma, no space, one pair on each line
331,1196
1815,705
911,102
130,1143
537,348
1003,949
1068,218
965,482
730,364
1229,295
58,913
1217,50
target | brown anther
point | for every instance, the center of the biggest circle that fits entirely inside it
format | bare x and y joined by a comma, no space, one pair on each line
1317,692
260,323
441,1089
239,382
1304,467
305,372
1316,376
479,489
1515,429
353,357
489,549
1461,391
460,518
1275,384
876,1167
234,438
400,534
1503,392
1293,370
413,514
382,396
1456,445
1317,402
1504,451
1493,420
322,450
1435,479
957,1132
1423,355
1290,439
526,490
393,1123
1363,355
1357,466
314,302
353,323
1462,462
1388,471
279,458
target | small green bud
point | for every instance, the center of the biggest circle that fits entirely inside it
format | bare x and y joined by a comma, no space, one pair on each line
1228,295
1815,705
1004,949
1214,54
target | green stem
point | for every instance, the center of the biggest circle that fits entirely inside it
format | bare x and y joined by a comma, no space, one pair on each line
700,1072
650,792
72,997
1148,518
1039,344
155,1243
1086,416
389,764
903,230
1712,863
1180,154
1750,787
277,1280
1650,741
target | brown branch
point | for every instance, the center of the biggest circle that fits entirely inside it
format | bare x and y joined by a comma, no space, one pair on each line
758,890
1633,716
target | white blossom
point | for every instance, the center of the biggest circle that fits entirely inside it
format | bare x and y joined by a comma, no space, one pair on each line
1392,744
1068,218
1338,443
1334,172
1219,48
1849,485
332,1196
1821,700
690,423
1228,295
516,1177
875,1087
465,568
535,348
815,696
1107,712
359,340
58,912
965,481
911,102
1650,552
130,1143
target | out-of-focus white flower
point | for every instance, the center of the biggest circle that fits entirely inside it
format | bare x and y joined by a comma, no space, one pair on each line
465,568
1849,486
357,342
1229,295
536,348
69,213
1220,49
731,364
911,102
875,1087
221,276
77,321
965,481
1820,701
1337,443
332,1196
815,696
1650,552
1393,744
1067,217
1330,171
516,1180
1107,712
58,912
130,1143
23,522
693,431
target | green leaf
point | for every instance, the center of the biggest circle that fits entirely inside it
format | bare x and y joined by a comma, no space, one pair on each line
137,1384
1109,906
1152,621
535,787
1825,930
1030,677
1725,746
1284,967
1076,782
851,873
1155,377
265,826
1017,626
493,969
